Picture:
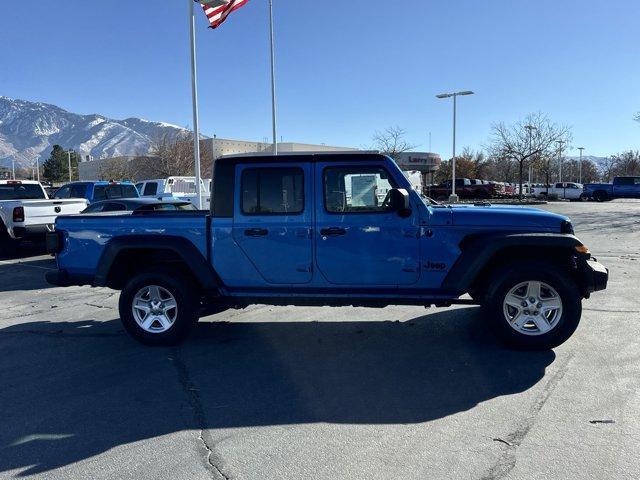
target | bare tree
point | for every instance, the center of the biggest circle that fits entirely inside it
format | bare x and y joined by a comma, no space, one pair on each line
535,135
626,164
608,168
391,141
173,155
503,168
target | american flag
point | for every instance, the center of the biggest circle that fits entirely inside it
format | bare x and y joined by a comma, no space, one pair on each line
217,11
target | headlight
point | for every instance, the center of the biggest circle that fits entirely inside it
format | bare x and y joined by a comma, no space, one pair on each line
566,227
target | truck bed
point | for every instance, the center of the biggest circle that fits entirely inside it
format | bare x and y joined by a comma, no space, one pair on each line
86,235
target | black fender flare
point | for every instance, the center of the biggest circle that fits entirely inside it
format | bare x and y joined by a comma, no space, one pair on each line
478,250
181,247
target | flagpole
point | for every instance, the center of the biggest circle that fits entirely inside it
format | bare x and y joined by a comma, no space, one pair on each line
194,98
273,82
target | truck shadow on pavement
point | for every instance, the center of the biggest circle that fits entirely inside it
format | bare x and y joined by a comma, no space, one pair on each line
71,391
28,249
25,274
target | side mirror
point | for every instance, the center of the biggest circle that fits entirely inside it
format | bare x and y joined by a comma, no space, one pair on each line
399,202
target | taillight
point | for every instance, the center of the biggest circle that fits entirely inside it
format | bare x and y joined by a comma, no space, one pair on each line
18,214
54,241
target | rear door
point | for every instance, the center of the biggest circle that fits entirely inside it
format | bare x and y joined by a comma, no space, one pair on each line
272,219
358,240
627,187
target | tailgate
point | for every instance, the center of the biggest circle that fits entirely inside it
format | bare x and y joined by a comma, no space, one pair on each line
40,212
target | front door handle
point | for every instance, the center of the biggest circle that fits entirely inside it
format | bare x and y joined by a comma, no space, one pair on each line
256,232
333,231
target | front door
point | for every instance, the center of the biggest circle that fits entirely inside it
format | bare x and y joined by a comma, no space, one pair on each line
272,220
358,240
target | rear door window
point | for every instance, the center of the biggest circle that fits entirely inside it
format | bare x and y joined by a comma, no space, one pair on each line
272,191
114,207
625,181
105,192
95,208
151,188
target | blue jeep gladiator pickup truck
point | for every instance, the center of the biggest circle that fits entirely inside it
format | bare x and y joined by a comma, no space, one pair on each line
622,187
330,229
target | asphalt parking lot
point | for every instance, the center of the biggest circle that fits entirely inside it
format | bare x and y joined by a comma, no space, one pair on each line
326,393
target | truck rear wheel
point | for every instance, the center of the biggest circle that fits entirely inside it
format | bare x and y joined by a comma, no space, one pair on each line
8,246
159,307
533,305
600,196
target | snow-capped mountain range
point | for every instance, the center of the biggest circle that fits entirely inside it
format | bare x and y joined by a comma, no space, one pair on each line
28,131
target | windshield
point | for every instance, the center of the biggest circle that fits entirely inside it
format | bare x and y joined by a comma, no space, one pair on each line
28,191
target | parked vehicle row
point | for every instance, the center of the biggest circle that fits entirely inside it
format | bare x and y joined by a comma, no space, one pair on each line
472,189
562,190
183,188
97,191
27,212
133,205
281,230
622,187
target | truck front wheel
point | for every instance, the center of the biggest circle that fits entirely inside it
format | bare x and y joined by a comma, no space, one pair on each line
159,307
533,305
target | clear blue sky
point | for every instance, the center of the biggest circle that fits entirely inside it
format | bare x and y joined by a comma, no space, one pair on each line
344,68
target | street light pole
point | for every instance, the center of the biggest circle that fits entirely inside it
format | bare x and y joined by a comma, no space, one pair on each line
454,198
69,160
560,143
580,165
194,101
273,82
530,128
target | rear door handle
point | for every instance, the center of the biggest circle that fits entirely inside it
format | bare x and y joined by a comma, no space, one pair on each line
333,231
256,232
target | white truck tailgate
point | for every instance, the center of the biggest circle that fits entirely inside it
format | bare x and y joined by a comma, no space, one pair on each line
38,212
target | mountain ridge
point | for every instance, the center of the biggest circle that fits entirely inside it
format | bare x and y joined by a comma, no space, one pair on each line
28,131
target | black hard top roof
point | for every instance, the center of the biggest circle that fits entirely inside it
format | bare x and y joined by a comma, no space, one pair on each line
347,156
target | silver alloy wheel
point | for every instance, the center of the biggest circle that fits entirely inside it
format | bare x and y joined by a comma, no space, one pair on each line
154,308
532,308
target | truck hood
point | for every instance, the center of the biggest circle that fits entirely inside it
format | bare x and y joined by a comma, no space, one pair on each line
503,216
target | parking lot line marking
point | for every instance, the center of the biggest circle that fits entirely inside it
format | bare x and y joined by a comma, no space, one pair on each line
25,265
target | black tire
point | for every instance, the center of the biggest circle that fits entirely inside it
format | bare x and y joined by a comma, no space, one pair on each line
600,196
8,246
508,277
185,293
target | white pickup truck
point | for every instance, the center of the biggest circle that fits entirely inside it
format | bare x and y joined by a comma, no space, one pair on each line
564,190
27,212
183,188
